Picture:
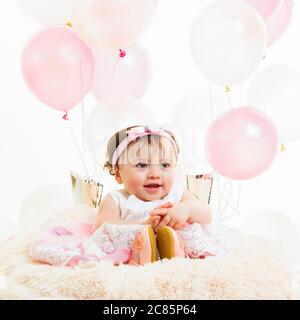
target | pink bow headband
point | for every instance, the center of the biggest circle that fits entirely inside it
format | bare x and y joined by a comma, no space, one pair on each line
137,132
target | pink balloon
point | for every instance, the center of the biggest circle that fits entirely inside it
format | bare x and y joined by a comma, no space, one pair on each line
277,15
265,7
58,68
279,21
241,143
121,76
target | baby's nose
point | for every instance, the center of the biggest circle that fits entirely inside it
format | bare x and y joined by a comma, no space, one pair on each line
154,171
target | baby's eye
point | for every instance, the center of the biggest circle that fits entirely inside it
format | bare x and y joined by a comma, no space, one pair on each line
166,165
141,165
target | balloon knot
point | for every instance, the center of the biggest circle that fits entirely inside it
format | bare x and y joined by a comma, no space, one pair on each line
282,147
227,89
122,53
65,117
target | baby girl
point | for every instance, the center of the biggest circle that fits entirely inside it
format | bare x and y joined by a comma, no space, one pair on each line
152,215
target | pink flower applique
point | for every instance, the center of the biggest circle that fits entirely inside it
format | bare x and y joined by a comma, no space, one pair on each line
108,247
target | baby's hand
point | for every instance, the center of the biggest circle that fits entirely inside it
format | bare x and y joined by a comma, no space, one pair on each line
154,221
158,213
175,217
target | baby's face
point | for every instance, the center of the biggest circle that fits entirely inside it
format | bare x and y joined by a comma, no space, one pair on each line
148,171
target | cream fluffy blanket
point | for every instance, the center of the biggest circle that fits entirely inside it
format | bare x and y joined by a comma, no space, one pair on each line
260,269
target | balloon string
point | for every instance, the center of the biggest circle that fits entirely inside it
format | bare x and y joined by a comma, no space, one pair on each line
82,106
239,194
222,198
82,101
79,152
98,177
96,172
219,213
224,203
212,116
121,55
83,125
227,92
83,120
241,94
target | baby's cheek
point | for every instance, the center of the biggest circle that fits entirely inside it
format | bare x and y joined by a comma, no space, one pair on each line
169,182
135,184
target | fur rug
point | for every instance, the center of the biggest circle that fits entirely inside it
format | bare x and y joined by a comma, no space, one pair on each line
262,269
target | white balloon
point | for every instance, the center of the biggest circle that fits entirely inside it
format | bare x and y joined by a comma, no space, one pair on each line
112,23
115,76
271,224
228,41
48,12
276,91
40,205
7,229
190,120
110,116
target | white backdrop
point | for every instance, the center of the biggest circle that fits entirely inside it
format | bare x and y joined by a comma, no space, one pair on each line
36,145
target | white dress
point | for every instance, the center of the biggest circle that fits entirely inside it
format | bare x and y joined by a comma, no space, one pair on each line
131,209
199,240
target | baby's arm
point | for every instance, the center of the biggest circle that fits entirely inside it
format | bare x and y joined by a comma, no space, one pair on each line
189,210
199,211
109,212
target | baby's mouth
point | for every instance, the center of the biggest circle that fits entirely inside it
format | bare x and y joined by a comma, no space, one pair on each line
153,186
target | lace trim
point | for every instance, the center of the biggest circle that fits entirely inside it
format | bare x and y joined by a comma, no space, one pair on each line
59,255
120,236
203,241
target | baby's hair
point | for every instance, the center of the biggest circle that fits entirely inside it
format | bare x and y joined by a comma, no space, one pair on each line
118,137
